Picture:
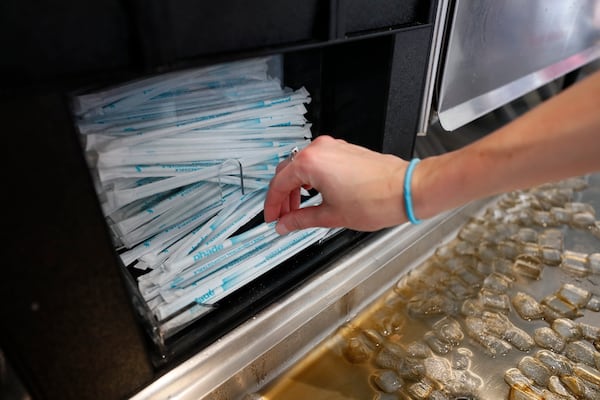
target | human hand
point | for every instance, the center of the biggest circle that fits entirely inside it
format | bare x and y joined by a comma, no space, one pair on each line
361,189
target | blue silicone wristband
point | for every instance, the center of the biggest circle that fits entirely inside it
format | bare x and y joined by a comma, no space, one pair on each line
408,206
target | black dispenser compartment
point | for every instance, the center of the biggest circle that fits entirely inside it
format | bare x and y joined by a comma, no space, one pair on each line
353,98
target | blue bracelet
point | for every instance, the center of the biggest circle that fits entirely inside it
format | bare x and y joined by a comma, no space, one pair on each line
407,194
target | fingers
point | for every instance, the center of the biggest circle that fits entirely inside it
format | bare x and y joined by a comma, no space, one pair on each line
284,191
282,165
305,218
292,203
300,171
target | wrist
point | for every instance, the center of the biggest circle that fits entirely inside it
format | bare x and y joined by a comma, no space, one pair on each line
441,183
423,203
407,191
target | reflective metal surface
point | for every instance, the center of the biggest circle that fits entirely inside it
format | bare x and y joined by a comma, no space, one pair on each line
262,348
500,50
439,27
439,333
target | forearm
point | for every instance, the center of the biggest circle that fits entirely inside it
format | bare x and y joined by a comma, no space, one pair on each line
558,139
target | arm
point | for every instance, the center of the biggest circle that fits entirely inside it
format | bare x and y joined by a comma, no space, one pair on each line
558,139
362,189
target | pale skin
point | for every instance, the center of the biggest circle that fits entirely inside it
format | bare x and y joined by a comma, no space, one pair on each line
363,189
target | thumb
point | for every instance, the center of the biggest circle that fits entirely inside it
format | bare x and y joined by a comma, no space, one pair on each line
302,218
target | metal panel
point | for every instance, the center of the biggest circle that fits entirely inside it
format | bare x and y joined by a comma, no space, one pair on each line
500,50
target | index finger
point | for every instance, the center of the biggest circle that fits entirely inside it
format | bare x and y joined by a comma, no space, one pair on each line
282,185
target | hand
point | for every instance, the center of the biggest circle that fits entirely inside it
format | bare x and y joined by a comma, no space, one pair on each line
361,189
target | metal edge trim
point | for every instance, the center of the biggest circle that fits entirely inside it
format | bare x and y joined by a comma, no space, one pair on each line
433,66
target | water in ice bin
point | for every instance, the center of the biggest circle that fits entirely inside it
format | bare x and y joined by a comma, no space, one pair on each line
491,314
181,163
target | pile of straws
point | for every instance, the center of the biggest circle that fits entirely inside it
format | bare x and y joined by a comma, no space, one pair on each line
182,162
